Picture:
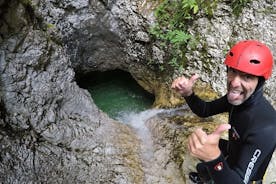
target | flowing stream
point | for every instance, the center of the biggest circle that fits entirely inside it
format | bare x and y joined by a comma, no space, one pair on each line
154,173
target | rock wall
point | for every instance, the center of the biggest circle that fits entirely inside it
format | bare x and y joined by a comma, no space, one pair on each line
50,130
94,32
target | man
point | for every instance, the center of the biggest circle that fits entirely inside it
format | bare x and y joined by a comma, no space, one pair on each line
252,120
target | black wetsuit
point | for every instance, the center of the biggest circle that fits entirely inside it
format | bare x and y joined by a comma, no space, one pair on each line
252,138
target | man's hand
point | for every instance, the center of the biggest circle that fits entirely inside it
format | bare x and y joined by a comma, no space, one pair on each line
183,85
206,147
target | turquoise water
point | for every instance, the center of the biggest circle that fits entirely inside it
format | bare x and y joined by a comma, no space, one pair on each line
116,92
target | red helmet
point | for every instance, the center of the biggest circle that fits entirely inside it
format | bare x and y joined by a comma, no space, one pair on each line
252,57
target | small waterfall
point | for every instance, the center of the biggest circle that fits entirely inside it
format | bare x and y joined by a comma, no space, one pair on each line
137,122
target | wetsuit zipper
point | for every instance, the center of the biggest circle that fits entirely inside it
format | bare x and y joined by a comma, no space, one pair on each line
230,119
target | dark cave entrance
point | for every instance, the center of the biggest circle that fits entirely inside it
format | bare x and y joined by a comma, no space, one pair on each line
116,92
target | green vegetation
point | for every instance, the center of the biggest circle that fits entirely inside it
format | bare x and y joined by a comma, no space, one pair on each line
26,2
172,20
238,5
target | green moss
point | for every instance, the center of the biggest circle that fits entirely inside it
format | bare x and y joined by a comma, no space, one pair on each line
26,2
50,26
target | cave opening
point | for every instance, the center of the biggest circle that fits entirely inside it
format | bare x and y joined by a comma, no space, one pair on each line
116,92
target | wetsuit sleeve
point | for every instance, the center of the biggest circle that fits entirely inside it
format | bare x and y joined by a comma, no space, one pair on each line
253,154
205,109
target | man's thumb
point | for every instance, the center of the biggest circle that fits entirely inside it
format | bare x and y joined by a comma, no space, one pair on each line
221,128
194,78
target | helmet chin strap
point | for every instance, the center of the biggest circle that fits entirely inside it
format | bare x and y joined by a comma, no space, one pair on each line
261,82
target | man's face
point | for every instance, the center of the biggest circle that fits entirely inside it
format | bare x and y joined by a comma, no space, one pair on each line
240,86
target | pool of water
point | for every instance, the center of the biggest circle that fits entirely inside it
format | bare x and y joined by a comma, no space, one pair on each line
116,92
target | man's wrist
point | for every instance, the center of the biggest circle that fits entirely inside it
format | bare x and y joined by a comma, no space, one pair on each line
216,156
188,94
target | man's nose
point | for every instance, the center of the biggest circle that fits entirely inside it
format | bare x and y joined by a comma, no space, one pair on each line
235,81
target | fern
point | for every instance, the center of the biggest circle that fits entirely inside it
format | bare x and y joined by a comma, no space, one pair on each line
178,37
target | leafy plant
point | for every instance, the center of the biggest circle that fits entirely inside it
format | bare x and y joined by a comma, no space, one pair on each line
190,5
173,16
178,37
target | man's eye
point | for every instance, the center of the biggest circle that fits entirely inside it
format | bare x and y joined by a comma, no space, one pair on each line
247,77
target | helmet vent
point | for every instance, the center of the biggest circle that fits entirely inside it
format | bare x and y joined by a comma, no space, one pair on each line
231,54
254,61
